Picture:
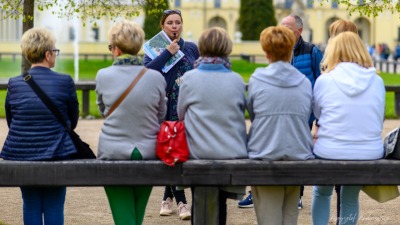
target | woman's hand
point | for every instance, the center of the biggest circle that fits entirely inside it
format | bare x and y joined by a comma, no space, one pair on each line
173,48
315,133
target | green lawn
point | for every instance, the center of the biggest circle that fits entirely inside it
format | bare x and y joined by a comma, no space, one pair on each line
88,70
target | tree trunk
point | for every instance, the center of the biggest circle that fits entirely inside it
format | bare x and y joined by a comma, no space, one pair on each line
26,25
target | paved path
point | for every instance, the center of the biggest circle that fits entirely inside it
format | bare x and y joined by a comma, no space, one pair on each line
88,205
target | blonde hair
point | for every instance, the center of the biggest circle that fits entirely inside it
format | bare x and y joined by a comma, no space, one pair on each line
346,47
127,36
337,27
340,26
35,43
215,42
278,42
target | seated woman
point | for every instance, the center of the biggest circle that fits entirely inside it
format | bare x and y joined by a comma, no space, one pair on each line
130,131
34,133
349,102
279,105
212,104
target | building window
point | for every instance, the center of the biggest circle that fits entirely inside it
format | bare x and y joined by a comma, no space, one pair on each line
288,4
177,3
398,34
217,4
95,33
71,34
310,4
335,4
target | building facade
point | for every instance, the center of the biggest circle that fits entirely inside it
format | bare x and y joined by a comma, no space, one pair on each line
201,14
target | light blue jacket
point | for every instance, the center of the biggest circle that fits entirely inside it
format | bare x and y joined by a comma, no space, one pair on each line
279,104
135,122
212,104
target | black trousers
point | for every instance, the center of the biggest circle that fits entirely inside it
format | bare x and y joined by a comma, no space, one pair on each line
171,192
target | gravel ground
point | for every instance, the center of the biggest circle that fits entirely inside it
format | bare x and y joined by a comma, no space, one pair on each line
88,205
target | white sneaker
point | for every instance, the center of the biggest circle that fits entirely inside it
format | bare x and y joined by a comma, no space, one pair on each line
184,211
166,207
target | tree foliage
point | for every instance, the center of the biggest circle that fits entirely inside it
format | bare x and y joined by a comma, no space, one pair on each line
368,7
255,16
82,9
153,14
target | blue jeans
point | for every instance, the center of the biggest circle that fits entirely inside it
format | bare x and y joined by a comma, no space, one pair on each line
40,203
349,207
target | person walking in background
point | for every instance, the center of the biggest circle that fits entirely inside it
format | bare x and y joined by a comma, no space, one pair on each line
207,91
130,131
279,106
396,53
171,23
347,94
34,133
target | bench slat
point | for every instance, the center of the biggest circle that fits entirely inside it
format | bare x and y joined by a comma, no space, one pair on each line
199,172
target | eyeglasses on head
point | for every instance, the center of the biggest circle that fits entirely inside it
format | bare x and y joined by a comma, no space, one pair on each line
172,11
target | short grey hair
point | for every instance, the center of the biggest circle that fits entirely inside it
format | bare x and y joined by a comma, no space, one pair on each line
299,21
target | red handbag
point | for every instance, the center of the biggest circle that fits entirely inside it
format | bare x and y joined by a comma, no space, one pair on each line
172,146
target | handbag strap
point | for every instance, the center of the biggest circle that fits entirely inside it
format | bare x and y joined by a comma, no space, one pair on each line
46,100
126,92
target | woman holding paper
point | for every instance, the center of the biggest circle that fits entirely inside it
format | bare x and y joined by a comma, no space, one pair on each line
171,24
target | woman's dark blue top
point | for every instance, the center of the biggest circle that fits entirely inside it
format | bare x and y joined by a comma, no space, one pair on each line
173,75
34,132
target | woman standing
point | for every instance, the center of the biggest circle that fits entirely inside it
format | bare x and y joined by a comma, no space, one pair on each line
347,94
212,105
130,131
171,23
34,133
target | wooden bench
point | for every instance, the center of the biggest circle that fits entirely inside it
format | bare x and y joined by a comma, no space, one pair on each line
199,172
396,90
84,86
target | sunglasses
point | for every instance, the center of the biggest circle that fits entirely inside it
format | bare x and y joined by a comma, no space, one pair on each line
172,11
110,47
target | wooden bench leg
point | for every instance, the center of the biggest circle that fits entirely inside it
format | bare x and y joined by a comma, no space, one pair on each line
397,103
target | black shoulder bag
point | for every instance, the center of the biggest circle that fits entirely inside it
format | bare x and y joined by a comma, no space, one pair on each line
83,149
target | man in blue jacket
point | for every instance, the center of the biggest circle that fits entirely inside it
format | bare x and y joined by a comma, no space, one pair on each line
306,57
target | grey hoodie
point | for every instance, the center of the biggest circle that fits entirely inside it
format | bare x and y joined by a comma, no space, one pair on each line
279,104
